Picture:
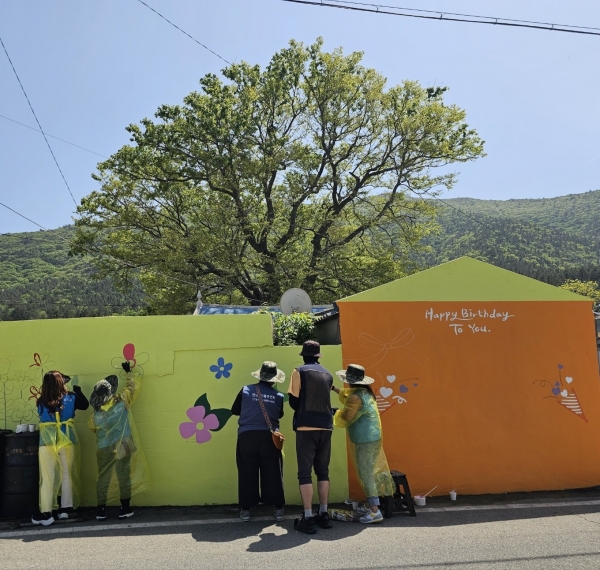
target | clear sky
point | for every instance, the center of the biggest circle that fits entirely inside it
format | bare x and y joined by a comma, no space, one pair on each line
90,68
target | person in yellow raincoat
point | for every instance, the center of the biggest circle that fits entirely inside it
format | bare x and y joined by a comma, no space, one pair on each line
59,456
361,418
122,468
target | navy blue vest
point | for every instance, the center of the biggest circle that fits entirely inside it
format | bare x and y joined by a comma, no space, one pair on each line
315,397
251,416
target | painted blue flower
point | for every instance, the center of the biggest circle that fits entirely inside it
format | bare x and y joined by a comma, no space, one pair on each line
221,368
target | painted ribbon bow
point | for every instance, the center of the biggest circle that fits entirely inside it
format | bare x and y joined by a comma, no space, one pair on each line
402,340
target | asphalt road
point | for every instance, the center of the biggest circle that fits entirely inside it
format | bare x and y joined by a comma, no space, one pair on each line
555,537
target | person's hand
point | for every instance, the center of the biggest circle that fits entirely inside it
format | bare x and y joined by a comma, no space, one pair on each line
126,366
333,411
335,389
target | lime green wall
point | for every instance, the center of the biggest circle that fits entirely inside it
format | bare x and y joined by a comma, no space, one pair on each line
465,279
180,352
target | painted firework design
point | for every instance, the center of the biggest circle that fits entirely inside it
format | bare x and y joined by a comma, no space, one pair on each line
564,393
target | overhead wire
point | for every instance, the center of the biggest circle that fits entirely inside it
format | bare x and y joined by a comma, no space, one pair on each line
448,16
184,32
38,122
52,136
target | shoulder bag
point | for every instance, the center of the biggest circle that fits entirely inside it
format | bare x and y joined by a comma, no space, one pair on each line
277,436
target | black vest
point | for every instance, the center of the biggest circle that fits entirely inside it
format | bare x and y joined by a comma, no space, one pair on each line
315,397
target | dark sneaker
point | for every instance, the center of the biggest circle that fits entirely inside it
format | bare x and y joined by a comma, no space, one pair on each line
322,519
44,519
64,513
279,515
245,515
307,526
125,512
101,514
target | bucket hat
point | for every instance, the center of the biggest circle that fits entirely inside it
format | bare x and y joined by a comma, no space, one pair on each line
104,391
269,373
354,375
311,348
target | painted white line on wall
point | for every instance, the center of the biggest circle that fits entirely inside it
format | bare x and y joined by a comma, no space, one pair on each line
199,522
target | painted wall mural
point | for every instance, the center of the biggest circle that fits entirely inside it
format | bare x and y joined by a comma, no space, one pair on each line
563,392
190,370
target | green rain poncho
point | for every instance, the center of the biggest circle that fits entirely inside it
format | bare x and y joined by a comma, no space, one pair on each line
361,418
122,468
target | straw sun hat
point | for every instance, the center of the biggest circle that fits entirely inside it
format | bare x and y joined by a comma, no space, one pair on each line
269,373
354,375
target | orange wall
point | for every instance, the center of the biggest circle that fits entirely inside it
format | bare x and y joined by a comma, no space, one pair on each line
479,414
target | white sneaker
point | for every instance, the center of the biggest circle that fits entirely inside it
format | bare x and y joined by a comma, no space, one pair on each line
62,516
245,515
372,517
279,516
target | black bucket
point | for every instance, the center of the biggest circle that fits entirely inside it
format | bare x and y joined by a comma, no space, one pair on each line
3,434
20,490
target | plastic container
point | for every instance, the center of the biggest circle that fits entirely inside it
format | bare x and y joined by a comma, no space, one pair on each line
420,501
453,495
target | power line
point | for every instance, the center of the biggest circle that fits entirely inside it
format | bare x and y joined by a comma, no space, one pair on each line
121,261
448,16
184,32
38,122
52,136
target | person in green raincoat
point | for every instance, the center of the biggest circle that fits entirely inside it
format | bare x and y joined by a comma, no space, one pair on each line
360,417
122,468
59,454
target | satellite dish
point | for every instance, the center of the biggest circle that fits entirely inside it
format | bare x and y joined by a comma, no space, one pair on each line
295,301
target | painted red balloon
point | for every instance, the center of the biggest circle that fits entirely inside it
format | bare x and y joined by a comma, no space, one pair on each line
129,352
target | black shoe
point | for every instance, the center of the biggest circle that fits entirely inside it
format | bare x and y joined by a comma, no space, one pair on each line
44,519
65,513
322,519
307,526
101,514
125,512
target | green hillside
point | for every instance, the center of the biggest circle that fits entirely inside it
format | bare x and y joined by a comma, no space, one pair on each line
549,239
38,279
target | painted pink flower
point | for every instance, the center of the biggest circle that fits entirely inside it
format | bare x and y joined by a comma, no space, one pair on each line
200,425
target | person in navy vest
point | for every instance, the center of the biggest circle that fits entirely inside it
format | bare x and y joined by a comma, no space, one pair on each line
259,462
58,447
310,398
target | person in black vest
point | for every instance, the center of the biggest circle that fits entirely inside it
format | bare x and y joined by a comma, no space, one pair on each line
309,391
259,462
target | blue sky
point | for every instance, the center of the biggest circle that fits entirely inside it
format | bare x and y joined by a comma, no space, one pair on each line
91,68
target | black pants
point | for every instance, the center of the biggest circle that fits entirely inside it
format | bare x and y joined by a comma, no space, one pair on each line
313,448
107,463
260,465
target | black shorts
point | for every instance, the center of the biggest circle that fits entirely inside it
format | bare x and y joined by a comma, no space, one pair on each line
313,449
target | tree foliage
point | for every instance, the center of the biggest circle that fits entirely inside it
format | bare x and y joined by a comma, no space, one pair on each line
298,174
586,288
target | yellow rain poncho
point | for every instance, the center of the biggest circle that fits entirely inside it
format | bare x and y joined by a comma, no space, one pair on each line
361,418
122,468
59,455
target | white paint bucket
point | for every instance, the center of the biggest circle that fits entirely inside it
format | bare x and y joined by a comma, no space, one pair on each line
420,501
453,495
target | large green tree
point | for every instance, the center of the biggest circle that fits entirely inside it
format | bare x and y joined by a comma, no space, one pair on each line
307,173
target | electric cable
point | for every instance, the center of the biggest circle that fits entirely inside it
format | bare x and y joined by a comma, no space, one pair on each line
444,16
52,136
184,32
38,122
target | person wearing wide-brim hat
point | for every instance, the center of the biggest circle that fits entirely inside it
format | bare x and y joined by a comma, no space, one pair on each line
361,418
259,462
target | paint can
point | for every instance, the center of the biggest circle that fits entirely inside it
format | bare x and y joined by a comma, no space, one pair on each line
420,501
31,428
453,495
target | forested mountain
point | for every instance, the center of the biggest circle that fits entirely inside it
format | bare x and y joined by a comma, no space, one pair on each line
38,279
549,239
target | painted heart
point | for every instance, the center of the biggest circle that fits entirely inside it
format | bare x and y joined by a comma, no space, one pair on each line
385,392
391,378
568,379
564,393
556,391
403,389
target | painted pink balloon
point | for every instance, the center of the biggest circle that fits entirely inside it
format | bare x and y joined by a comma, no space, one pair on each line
129,352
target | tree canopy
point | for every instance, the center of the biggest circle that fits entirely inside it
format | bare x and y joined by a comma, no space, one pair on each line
307,173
